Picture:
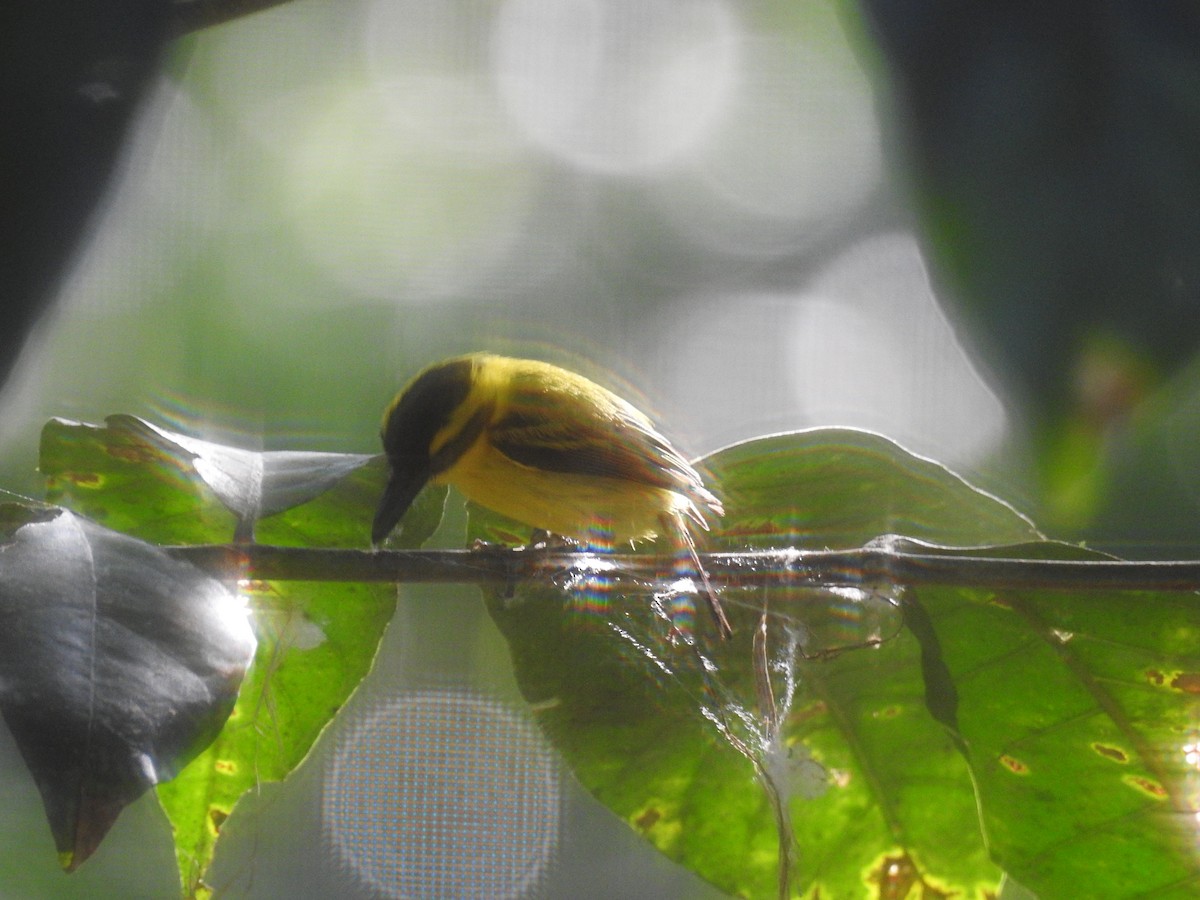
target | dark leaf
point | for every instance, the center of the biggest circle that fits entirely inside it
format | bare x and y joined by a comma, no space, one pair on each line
118,664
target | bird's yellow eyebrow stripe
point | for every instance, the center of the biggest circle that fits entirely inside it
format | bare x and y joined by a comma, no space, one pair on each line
452,449
467,421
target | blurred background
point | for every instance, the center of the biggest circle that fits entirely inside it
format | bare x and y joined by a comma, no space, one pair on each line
973,228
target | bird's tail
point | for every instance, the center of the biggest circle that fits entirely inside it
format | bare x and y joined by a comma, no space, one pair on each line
675,523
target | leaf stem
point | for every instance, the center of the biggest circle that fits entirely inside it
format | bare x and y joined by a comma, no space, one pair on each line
870,566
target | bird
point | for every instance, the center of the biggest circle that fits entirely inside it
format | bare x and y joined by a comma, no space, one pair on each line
546,447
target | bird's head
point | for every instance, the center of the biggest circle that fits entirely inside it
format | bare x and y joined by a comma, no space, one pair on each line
425,430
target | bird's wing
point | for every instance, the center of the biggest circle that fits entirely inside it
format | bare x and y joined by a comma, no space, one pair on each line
560,429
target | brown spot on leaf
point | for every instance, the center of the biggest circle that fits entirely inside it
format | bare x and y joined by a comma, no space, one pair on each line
225,766
895,876
1014,765
217,817
647,819
82,479
1155,677
810,711
1188,682
1116,754
131,453
1147,786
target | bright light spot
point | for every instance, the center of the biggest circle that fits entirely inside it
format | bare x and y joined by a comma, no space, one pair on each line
794,770
233,617
388,213
864,345
594,565
682,586
429,68
730,382
1191,755
444,793
873,350
851,594
305,634
618,86
798,153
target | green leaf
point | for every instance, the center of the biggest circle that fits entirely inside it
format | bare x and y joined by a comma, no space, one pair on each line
251,484
854,733
116,478
1078,710
319,641
841,488
316,641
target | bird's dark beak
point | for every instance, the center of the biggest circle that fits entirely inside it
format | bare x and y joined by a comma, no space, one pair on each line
402,489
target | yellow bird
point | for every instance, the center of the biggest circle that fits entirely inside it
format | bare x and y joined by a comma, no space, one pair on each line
546,447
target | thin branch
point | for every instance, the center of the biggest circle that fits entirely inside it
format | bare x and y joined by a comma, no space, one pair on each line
871,566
